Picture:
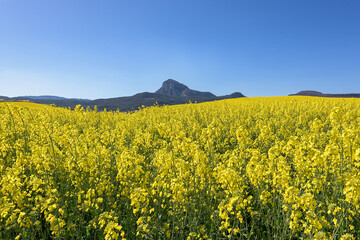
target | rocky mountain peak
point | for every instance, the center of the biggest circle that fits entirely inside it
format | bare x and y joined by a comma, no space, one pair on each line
173,88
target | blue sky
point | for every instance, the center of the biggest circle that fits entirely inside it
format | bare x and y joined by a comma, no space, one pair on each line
100,49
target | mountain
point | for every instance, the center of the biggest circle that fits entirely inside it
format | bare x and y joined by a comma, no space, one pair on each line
170,93
47,97
233,95
4,98
147,99
308,93
173,88
320,94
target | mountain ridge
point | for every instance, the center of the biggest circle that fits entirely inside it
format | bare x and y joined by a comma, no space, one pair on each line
170,93
313,93
47,97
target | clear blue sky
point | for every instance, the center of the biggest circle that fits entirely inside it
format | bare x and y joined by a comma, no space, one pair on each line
100,49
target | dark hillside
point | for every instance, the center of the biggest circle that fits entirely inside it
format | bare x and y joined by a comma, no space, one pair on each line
320,94
170,93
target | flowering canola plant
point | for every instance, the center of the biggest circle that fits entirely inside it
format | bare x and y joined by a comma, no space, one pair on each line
249,168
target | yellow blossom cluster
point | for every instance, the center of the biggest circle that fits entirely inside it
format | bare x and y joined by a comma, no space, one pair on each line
249,168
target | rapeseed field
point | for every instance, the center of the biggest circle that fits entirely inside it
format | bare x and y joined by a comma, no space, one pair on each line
250,168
